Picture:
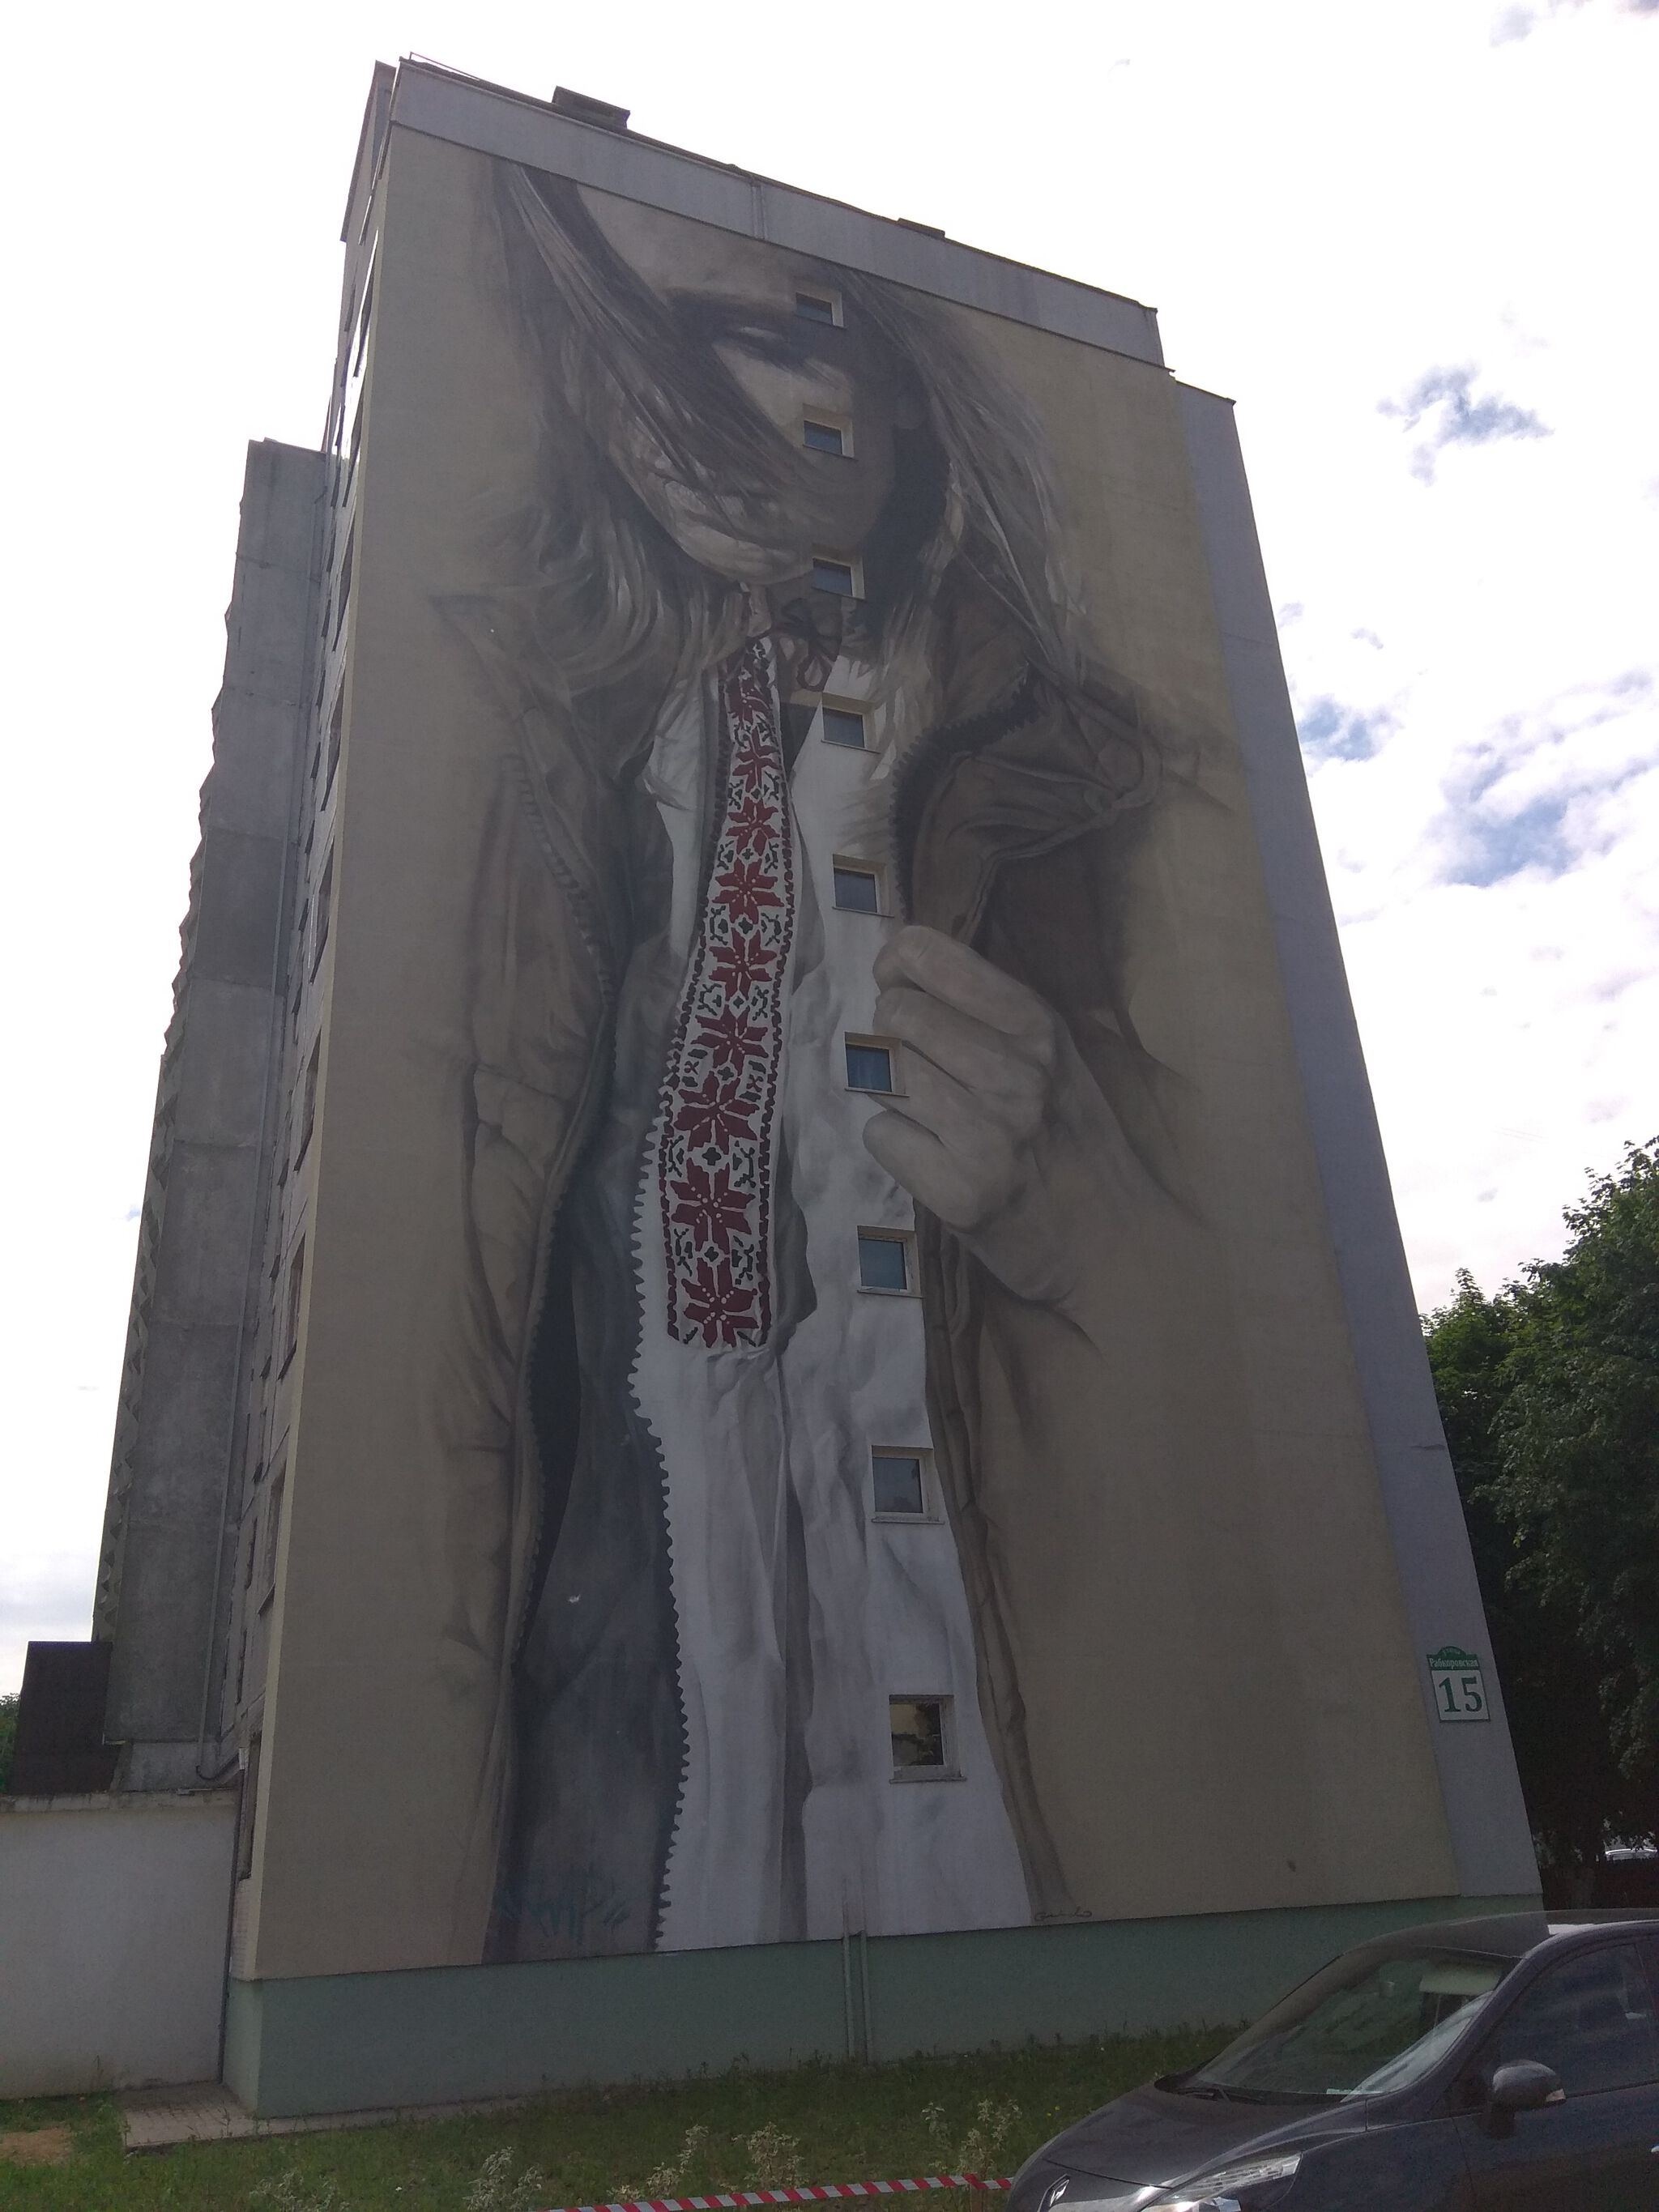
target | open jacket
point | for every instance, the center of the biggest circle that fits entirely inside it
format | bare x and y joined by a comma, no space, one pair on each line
1003,836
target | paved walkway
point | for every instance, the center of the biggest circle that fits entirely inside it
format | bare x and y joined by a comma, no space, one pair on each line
206,2111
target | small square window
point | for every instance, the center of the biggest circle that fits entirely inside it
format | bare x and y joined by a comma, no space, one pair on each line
869,1066
830,574
845,726
817,307
858,890
919,1728
901,1492
884,1259
823,437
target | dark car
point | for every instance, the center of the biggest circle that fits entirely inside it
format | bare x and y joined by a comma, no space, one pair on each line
1466,2066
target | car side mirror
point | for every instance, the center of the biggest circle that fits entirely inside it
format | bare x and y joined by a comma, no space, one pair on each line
1523,2086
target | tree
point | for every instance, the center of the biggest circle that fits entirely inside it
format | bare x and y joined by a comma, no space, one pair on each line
8,1736
1549,1392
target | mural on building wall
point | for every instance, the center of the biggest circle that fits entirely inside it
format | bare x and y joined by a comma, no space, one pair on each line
785,637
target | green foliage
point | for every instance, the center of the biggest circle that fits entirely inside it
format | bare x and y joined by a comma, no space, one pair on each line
984,2149
844,2123
1549,1392
291,2192
706,2165
499,2189
8,1735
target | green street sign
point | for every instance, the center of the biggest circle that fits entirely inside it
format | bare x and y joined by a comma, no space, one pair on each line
1460,1688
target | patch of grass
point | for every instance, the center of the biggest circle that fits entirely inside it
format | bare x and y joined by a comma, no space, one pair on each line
845,2122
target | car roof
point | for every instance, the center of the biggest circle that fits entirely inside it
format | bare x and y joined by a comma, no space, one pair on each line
1503,1935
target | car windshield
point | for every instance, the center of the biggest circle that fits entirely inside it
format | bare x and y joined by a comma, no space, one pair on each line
1364,2027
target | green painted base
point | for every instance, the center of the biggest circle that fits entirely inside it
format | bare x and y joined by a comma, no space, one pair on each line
336,2043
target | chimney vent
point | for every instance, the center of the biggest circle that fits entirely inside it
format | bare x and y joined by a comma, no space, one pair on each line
581,108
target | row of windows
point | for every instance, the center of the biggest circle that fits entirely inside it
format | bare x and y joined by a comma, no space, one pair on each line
311,931
920,1727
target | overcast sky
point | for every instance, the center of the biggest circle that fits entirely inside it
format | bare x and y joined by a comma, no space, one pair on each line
1415,244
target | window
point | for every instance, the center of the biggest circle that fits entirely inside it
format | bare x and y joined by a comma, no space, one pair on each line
818,307
1364,2026
368,309
324,910
858,889
1590,2018
825,438
336,723
355,446
899,1486
343,589
250,1807
296,1275
308,1100
884,1259
869,1065
273,1530
844,726
921,1731
828,575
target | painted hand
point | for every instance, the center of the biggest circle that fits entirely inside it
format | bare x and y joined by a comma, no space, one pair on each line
1000,1131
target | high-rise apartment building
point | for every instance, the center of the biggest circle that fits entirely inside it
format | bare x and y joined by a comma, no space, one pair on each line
774,1403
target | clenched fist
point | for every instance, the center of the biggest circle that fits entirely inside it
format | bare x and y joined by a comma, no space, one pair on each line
1000,1130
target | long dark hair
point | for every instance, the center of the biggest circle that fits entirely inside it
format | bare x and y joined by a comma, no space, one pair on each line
632,400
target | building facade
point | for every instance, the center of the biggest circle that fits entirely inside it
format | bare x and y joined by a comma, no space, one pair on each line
806,1430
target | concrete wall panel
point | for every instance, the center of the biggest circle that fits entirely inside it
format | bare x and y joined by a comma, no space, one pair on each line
1481,1789
112,1915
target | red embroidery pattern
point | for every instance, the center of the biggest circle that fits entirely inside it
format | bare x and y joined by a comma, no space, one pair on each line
714,1149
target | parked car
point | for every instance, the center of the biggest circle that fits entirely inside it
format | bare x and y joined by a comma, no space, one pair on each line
1467,2066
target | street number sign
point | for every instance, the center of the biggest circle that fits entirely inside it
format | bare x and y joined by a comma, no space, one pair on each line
1460,1688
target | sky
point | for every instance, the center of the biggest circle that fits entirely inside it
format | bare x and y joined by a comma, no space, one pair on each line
1414,243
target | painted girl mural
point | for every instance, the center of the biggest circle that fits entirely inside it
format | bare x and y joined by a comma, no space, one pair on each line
699,1622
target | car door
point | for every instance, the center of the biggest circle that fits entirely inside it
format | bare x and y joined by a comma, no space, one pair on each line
1590,2017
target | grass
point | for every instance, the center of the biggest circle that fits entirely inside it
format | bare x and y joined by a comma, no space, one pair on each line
845,2122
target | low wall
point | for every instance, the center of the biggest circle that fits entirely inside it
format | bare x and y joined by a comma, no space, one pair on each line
112,1917
332,2043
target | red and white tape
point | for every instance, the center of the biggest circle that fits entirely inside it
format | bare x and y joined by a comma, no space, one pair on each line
808,2193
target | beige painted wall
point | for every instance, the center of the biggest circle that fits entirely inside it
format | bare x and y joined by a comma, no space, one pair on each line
1214,1656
